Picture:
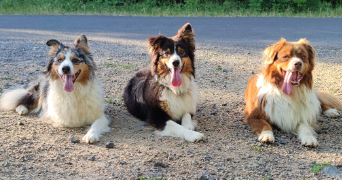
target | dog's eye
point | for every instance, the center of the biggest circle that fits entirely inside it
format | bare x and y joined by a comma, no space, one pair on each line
181,52
303,57
165,54
59,60
75,60
285,57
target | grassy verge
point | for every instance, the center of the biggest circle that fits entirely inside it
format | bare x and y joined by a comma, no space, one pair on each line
110,7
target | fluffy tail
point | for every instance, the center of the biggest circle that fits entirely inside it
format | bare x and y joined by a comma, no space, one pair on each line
329,100
24,100
11,99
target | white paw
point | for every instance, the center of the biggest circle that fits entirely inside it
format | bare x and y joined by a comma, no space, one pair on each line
189,126
331,113
266,136
21,110
91,136
193,136
309,141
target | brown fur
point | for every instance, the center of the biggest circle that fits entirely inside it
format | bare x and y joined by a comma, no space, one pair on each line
277,57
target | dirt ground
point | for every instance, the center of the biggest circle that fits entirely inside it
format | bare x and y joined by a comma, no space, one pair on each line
33,149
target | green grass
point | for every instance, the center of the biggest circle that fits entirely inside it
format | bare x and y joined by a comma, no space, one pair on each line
219,68
318,167
148,178
256,148
223,8
6,78
109,100
125,66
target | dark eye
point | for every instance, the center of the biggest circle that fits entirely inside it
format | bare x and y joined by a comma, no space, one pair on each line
181,52
303,57
75,60
285,57
165,54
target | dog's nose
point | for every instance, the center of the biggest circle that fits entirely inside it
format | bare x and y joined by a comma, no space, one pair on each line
66,69
175,63
298,65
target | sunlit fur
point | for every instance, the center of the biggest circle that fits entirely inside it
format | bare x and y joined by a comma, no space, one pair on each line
83,106
150,95
297,112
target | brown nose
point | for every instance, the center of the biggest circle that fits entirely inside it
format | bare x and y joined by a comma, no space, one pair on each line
298,65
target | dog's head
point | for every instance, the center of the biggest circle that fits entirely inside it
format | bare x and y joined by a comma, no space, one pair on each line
70,64
173,55
290,63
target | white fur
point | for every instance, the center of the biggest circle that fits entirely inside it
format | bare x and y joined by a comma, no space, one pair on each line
83,106
9,99
288,112
182,99
266,136
175,130
188,123
21,110
292,66
66,62
173,58
307,135
331,113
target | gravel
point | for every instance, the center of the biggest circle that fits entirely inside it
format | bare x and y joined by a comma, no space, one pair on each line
37,150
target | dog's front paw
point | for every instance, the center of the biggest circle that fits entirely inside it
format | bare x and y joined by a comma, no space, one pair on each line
193,136
331,113
190,125
266,137
21,110
91,136
309,141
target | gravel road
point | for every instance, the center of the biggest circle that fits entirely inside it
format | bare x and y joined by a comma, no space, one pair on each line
228,53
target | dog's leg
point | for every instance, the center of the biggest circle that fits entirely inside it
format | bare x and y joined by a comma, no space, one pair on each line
21,110
307,135
257,122
96,130
175,130
188,123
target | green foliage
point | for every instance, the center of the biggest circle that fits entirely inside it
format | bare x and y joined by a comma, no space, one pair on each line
318,167
316,8
256,148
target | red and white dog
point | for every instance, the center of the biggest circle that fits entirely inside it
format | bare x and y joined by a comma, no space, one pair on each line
282,94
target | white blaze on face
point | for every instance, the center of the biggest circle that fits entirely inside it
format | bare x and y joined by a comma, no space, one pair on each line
294,60
176,79
66,62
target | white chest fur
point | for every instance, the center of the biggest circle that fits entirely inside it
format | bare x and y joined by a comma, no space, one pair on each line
288,112
182,99
78,108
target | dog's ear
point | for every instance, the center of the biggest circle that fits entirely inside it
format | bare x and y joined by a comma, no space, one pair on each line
82,42
310,49
188,34
54,44
154,46
271,52
155,43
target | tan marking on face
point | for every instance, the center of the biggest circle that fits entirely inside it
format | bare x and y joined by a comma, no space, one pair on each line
54,72
84,75
73,56
164,106
61,56
161,69
187,66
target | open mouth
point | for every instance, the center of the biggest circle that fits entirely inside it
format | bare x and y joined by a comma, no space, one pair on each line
176,79
69,80
291,79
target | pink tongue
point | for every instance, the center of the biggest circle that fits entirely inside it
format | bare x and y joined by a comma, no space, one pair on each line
176,79
287,86
68,84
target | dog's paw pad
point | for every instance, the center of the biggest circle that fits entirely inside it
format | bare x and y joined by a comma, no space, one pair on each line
21,110
193,136
91,137
266,137
331,113
309,141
